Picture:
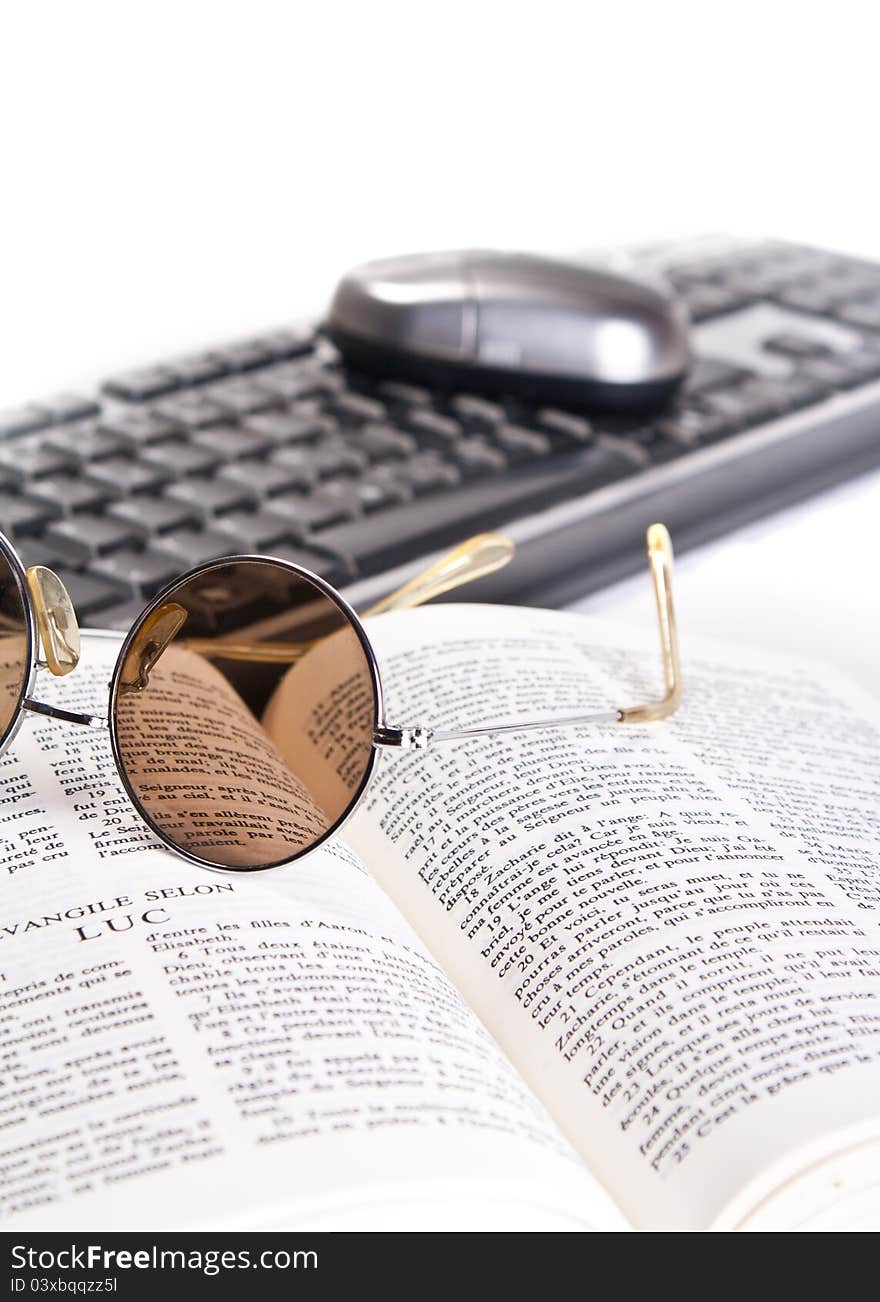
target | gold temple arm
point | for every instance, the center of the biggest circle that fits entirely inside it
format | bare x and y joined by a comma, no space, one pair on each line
660,562
473,559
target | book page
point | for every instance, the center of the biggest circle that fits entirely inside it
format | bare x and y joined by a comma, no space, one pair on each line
320,718
673,928
192,749
185,1048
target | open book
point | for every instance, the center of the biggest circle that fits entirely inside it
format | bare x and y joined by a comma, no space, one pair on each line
591,979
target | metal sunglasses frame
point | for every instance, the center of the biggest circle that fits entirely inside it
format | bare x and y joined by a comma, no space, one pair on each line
51,625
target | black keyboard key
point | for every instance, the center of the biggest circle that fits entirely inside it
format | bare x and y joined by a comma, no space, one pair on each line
85,536
199,368
282,427
36,551
293,383
307,513
179,457
71,406
121,614
20,420
376,491
154,514
212,496
660,449
796,346
329,566
832,372
433,430
192,410
743,405
802,391
814,296
384,443
296,465
89,594
230,442
143,571
334,456
239,398
281,344
727,408
262,477
246,356
137,386
255,531
843,370
850,280
32,457
21,515
356,407
476,457
865,314
348,496
426,473
192,547
758,279
565,426
706,300
72,493
473,410
138,426
711,373
763,398
864,365
401,533
389,480
628,448
407,395
521,444
692,426
120,476
86,442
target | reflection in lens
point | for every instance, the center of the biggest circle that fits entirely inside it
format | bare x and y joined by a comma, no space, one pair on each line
244,715
14,646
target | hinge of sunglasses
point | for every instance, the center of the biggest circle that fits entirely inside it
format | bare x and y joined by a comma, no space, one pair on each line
416,738
66,716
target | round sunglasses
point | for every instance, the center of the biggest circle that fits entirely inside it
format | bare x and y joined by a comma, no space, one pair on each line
246,709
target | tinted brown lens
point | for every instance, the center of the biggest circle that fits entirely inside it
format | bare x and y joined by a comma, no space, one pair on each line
244,715
14,645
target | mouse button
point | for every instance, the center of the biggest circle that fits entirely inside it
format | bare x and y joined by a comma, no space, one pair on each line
416,304
531,321
536,280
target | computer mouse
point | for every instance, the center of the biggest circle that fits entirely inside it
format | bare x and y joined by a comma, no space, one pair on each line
552,331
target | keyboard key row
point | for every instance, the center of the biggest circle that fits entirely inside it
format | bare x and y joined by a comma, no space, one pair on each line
151,382
35,416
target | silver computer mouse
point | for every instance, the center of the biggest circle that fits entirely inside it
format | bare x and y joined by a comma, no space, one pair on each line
515,323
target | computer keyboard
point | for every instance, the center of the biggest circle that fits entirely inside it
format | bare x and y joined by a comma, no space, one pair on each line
271,445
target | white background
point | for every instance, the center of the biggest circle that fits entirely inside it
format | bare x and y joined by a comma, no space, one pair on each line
178,173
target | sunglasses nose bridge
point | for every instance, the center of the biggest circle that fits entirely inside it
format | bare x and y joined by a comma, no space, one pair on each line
55,619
